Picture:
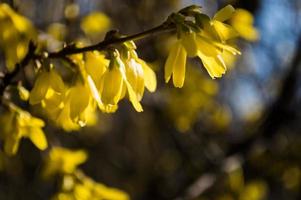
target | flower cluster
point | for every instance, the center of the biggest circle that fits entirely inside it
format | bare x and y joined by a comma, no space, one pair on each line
75,184
15,33
202,37
80,187
16,124
99,82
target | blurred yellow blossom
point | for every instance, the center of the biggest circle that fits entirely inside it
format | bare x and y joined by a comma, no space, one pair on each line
242,20
197,95
95,23
15,33
16,124
80,187
255,190
63,161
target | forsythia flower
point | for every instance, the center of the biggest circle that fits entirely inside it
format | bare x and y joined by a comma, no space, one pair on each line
95,23
126,74
112,85
81,187
208,44
63,161
63,104
176,65
242,20
15,33
196,95
17,124
48,89
78,110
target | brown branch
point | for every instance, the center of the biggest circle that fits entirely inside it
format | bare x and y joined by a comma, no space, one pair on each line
106,43
69,50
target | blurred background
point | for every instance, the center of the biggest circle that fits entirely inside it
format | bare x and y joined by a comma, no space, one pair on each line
237,137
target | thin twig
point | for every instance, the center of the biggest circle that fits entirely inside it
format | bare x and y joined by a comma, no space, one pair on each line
104,44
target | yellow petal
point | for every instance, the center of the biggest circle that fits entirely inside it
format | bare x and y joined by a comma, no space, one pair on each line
135,76
170,62
189,43
224,31
96,64
79,100
247,32
35,122
56,81
228,48
111,86
133,97
38,138
150,80
63,119
207,47
40,88
179,69
242,21
176,59
224,13
93,90
213,65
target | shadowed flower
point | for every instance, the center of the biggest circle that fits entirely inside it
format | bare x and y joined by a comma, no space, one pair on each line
63,161
16,124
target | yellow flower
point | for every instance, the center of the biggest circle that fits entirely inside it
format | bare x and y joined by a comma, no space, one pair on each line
176,64
80,187
63,161
111,86
17,124
78,98
224,31
78,110
134,74
63,105
119,80
15,33
208,44
139,74
211,54
48,84
95,65
92,66
95,23
242,21
109,81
